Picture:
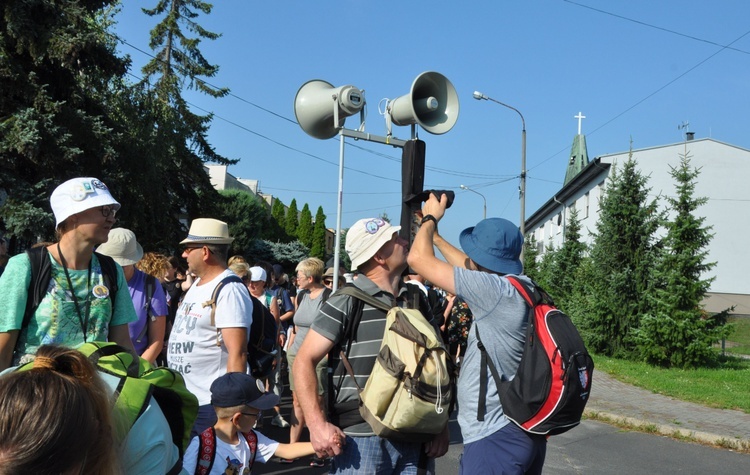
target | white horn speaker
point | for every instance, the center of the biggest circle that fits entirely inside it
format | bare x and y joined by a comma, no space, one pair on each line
432,103
318,105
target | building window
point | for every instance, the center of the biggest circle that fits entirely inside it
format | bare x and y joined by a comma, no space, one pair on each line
586,205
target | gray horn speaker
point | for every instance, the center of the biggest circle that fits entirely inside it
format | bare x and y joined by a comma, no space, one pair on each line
432,103
315,107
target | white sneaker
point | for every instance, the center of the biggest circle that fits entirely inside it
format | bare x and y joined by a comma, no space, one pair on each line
279,421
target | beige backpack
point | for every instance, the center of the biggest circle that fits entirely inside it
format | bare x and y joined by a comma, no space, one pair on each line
409,394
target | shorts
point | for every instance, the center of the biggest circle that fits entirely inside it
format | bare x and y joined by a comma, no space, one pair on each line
321,370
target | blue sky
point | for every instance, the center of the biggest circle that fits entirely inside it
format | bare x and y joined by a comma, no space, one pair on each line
636,69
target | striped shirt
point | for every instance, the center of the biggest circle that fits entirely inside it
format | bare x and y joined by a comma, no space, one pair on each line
365,345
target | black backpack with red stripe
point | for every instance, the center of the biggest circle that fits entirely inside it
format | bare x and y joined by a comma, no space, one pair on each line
553,381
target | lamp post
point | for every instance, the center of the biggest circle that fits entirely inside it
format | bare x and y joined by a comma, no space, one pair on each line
479,96
464,187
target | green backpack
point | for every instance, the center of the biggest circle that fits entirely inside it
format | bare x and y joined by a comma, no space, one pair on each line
139,381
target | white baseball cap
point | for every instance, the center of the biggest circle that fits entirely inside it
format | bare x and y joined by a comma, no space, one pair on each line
258,273
77,195
366,237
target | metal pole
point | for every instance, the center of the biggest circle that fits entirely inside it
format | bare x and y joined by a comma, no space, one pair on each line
337,241
464,187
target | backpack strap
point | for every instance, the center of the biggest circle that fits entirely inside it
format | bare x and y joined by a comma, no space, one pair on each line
150,285
484,363
252,442
215,299
301,296
41,266
206,451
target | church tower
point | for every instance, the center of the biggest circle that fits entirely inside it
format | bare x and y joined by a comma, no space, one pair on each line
579,156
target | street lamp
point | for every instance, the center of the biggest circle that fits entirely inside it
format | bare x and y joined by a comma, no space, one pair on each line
464,187
479,96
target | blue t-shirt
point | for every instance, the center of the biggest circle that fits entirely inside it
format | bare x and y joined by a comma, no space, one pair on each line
500,313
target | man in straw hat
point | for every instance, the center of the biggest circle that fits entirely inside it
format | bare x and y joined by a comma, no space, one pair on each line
200,351
378,253
491,250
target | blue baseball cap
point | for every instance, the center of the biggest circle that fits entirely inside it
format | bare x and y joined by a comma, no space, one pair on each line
237,389
494,243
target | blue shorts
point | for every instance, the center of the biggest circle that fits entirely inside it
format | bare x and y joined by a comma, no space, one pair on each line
508,451
377,456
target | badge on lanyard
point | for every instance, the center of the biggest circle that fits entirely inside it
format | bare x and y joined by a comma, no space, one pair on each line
100,291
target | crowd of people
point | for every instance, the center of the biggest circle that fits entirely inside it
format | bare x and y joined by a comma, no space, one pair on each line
60,295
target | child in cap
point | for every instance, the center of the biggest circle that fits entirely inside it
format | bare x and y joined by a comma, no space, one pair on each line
231,445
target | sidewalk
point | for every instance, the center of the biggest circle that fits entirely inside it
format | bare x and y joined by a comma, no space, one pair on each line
622,402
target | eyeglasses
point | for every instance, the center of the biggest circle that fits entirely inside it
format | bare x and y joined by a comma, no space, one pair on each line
188,250
250,414
108,211
373,225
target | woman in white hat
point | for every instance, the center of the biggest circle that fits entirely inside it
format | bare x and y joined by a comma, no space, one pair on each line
147,333
75,305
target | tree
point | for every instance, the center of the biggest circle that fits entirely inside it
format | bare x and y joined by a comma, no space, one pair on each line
546,267
305,228
180,136
246,217
567,260
318,248
679,332
530,258
57,66
277,221
622,254
291,221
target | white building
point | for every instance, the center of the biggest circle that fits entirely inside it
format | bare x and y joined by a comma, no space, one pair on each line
722,168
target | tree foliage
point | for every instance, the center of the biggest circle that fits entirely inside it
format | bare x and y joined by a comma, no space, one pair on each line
622,254
678,332
530,257
305,228
246,217
291,220
318,248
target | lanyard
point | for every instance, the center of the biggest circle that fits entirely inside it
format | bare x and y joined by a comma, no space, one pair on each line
83,318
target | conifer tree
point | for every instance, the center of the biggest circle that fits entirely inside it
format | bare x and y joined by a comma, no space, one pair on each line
622,254
567,260
291,221
278,218
679,332
305,228
318,248
530,258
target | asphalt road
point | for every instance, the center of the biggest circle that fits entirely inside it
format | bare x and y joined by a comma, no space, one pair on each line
591,448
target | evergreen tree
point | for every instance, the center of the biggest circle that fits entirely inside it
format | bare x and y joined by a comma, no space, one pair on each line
291,221
530,258
679,332
567,261
57,65
305,228
546,267
277,218
181,135
318,248
246,217
622,255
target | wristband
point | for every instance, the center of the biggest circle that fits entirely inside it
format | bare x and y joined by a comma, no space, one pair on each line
429,217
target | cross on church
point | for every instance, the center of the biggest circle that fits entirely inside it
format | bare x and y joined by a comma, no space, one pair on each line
579,117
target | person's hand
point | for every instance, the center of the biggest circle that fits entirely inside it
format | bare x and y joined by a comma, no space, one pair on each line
438,446
435,206
327,440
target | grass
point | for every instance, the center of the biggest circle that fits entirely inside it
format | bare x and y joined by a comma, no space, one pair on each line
739,340
725,387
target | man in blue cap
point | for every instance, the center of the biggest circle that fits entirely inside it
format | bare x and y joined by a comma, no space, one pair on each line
491,250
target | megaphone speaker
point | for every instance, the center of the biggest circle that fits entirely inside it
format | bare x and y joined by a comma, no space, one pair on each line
432,103
315,107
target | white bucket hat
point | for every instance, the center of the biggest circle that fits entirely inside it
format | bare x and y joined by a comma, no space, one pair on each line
208,231
122,247
77,195
366,237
